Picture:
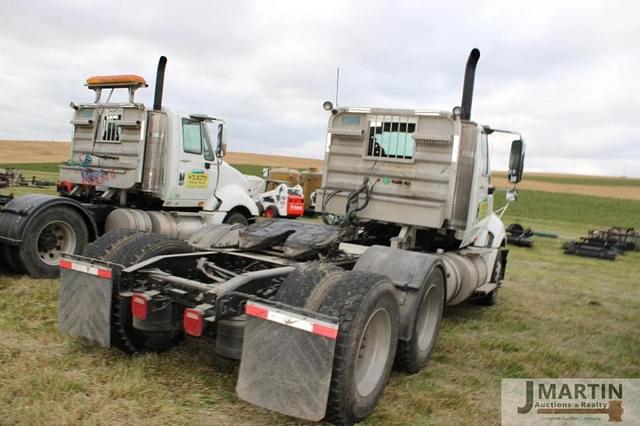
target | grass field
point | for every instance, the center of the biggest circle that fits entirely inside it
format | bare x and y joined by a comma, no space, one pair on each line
558,316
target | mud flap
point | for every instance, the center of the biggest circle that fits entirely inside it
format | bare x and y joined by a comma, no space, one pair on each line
84,306
287,359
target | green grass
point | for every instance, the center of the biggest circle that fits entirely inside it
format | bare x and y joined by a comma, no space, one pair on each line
557,316
248,169
570,213
33,167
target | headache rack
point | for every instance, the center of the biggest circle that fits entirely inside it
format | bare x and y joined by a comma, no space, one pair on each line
410,161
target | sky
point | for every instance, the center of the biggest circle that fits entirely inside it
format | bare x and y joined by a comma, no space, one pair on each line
563,73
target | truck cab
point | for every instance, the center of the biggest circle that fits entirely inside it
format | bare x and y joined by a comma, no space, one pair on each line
155,155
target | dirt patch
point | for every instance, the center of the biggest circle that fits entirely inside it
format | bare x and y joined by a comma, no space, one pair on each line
33,152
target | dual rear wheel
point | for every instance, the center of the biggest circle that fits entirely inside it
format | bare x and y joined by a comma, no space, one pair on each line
367,346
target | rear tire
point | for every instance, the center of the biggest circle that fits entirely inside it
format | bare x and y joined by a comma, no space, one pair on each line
298,286
129,250
368,311
54,231
107,243
414,354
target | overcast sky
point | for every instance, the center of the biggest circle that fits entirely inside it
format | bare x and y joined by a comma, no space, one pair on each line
565,74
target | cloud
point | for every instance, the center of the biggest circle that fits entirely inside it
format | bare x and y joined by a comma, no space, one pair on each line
562,73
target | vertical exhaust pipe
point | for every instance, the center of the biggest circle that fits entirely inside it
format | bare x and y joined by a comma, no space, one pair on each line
469,79
157,98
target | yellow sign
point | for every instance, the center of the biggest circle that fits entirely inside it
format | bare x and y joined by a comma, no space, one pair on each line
197,181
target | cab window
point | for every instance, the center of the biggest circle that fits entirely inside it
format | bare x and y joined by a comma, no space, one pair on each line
191,136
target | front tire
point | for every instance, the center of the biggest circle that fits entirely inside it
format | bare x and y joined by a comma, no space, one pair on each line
51,233
236,217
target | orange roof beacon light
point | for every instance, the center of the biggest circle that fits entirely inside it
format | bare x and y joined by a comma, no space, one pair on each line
131,82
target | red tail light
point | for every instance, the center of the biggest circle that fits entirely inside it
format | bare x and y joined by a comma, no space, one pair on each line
139,306
193,322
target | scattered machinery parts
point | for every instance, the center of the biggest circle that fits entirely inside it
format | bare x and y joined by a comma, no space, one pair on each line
318,313
518,236
10,177
604,243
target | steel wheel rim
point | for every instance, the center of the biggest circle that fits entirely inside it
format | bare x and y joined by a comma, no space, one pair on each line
54,239
428,314
373,352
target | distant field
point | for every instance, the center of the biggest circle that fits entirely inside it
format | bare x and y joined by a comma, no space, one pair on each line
16,152
33,151
36,158
584,180
599,186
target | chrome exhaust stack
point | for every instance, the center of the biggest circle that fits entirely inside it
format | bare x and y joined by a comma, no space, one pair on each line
157,98
469,79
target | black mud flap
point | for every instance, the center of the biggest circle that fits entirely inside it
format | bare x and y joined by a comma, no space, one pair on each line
287,358
84,307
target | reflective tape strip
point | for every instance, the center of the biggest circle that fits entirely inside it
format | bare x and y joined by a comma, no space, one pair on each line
87,269
311,325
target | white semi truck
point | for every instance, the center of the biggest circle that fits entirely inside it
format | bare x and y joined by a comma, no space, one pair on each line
154,170
318,314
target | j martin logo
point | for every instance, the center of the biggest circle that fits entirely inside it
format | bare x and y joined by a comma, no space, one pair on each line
570,401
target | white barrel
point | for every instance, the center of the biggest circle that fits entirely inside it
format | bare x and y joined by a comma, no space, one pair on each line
464,275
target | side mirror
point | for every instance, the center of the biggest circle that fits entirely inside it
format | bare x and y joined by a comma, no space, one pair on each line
516,161
220,148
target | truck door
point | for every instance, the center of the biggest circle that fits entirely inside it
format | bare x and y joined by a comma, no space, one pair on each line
196,176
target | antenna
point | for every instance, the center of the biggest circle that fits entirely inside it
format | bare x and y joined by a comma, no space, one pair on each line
337,84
